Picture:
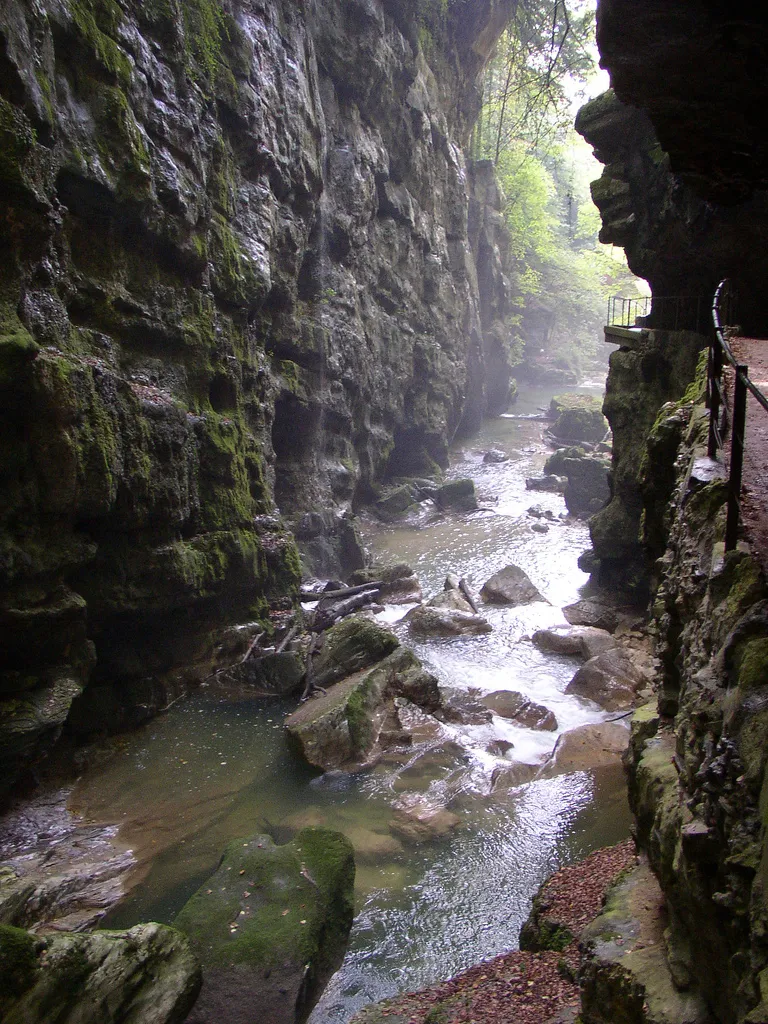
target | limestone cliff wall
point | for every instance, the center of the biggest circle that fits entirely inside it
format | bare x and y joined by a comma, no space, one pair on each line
699,768
684,193
246,273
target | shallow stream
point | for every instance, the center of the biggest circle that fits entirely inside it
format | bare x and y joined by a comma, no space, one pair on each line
215,767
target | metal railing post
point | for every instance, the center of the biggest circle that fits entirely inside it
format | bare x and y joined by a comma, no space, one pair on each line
714,378
738,438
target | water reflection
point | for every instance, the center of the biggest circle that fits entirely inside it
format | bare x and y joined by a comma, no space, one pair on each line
216,767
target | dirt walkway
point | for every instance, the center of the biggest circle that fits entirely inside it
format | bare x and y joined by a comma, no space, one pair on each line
753,352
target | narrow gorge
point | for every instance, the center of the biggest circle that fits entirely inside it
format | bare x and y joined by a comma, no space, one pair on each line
262,321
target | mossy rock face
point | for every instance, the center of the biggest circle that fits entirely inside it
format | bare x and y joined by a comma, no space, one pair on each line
457,495
271,926
341,728
578,418
352,644
146,974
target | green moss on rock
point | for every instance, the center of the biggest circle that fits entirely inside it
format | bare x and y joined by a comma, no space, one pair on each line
18,963
277,916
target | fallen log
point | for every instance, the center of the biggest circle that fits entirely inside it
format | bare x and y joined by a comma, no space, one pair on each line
335,595
328,612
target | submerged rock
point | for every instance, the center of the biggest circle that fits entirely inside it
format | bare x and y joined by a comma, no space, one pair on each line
342,727
271,926
510,586
513,705
419,820
494,457
146,974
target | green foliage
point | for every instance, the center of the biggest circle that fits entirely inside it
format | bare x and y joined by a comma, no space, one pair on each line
562,276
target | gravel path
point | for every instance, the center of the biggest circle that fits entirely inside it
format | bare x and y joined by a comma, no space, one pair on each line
519,987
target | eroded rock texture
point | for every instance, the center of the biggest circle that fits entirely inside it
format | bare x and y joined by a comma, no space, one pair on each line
246,272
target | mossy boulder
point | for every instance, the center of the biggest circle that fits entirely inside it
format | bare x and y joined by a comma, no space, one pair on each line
577,418
395,503
147,973
457,496
341,728
353,644
271,926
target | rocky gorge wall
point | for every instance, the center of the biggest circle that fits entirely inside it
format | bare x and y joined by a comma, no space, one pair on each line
247,275
683,192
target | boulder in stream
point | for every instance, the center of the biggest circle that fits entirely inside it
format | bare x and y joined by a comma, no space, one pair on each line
457,495
577,418
588,747
276,674
342,728
611,679
434,620
510,586
395,503
399,584
583,641
147,973
592,613
351,645
518,708
555,484
270,927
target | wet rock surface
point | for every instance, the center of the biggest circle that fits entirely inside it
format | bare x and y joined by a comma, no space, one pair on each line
363,669
513,705
271,926
146,973
510,586
244,287
611,679
587,747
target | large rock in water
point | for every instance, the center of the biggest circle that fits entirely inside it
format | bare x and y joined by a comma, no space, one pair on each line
448,613
518,708
588,747
351,645
146,975
585,641
610,679
577,418
341,728
510,586
270,927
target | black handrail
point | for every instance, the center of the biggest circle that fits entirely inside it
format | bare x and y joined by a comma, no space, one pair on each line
720,415
658,312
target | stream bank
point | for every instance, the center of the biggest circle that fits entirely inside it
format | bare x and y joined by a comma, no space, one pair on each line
462,897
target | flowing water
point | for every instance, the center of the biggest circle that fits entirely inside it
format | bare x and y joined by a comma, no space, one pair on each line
215,766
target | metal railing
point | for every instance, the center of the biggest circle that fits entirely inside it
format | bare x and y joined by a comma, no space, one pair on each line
721,416
659,312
